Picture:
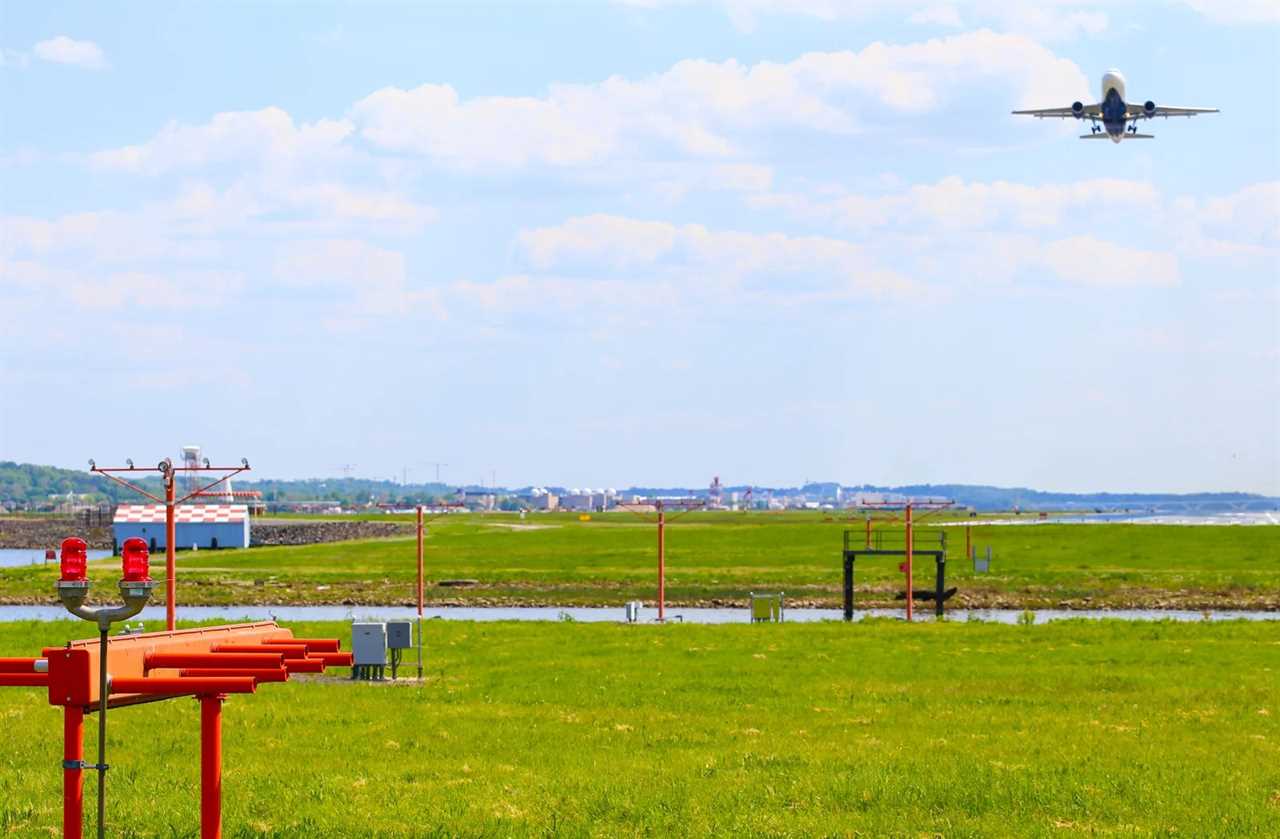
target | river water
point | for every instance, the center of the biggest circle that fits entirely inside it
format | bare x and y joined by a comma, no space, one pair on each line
615,614
15,557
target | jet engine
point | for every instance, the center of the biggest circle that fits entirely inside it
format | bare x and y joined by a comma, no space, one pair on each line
1077,108
1149,107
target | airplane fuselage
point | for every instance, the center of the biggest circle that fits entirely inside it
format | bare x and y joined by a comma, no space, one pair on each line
1114,109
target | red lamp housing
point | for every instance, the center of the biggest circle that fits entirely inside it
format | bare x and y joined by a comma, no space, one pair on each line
74,563
136,560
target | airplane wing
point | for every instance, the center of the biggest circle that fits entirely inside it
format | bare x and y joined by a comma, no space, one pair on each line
1139,112
1127,135
1089,112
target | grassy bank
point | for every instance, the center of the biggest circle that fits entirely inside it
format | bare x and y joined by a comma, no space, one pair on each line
718,558
574,729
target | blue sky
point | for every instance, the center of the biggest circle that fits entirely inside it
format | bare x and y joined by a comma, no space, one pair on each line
643,242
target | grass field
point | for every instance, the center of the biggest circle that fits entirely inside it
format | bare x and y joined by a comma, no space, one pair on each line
717,558
876,729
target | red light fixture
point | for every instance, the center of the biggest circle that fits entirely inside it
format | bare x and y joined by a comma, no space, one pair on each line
74,563
136,560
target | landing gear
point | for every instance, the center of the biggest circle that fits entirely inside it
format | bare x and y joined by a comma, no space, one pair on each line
1133,128
1095,128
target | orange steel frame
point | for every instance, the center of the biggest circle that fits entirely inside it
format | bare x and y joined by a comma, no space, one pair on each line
206,662
662,521
169,477
931,507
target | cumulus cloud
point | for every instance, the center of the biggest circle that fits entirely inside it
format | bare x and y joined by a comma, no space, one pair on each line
711,259
956,204
111,290
64,50
267,135
1091,261
708,110
1046,20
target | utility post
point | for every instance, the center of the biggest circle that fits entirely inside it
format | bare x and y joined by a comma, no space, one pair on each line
419,592
910,545
168,477
170,548
662,563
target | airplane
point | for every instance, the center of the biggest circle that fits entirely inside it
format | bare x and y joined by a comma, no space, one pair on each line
1119,119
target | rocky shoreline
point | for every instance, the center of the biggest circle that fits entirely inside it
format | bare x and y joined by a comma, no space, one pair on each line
48,533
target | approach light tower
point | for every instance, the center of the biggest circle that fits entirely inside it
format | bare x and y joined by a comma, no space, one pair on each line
192,461
714,493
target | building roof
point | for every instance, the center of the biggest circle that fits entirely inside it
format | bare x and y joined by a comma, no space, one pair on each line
187,514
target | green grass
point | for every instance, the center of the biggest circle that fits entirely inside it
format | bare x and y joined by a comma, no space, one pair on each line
874,729
716,558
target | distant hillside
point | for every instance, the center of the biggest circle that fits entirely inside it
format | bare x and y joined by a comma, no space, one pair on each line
28,486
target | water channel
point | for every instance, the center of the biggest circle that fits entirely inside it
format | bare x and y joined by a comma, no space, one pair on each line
614,614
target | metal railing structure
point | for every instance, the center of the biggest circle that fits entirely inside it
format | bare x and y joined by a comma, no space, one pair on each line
97,674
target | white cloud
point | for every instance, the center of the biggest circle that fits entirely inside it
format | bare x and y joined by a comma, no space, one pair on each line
64,50
1237,11
174,289
268,135
719,261
955,204
1047,20
708,109
1090,261
341,262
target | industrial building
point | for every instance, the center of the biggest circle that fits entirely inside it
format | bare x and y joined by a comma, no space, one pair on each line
195,525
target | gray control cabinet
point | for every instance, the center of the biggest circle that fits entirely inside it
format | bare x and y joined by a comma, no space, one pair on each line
399,635
368,650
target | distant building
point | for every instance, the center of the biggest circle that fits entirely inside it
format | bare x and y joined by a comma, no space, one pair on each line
200,525
541,499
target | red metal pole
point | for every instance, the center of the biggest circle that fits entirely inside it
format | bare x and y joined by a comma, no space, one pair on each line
910,546
419,562
211,767
868,532
662,564
170,562
419,592
72,775
968,543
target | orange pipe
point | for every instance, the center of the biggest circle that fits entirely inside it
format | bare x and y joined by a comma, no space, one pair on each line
304,665
288,651
176,686
211,767
313,645
72,776
24,680
18,665
334,659
258,674
212,660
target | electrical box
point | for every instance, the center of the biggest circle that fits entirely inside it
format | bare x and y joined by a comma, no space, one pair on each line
399,635
369,644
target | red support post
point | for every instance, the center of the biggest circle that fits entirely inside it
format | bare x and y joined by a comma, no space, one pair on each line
868,532
968,543
910,546
419,563
662,563
72,773
211,767
170,561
